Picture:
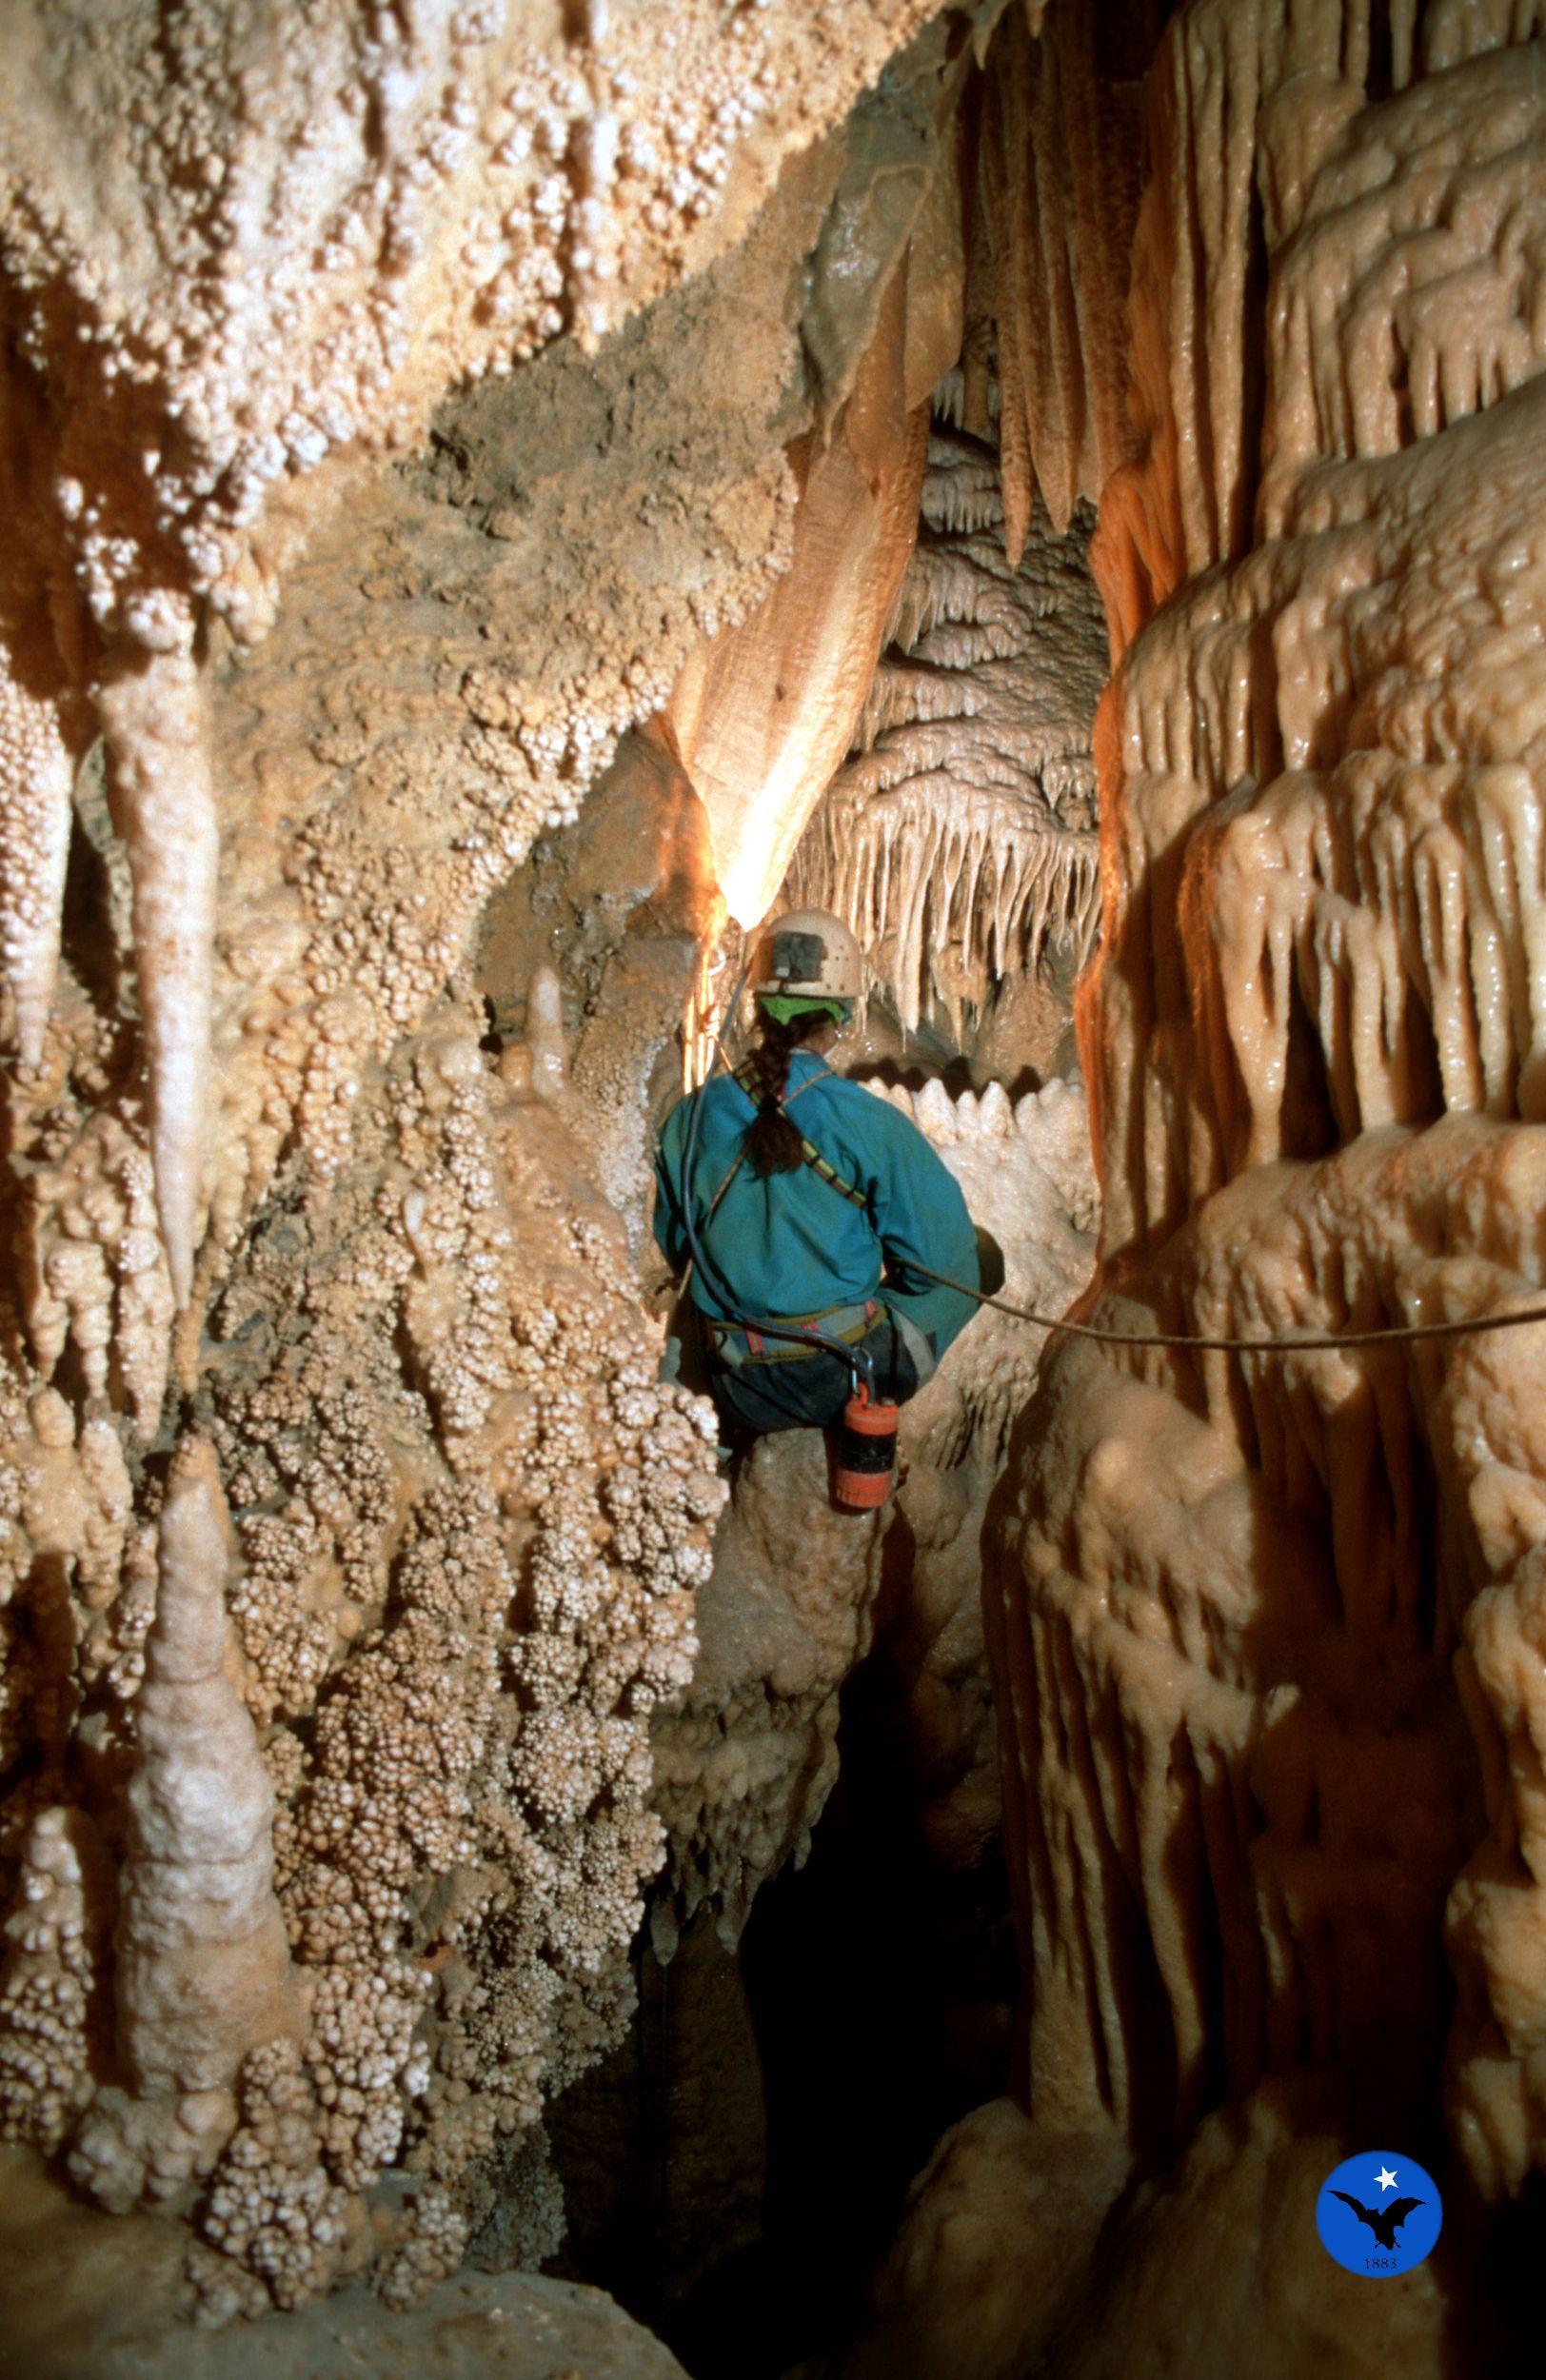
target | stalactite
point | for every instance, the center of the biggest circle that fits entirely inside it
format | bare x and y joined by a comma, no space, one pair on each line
155,720
1453,30
1411,297
1060,162
763,716
1402,881
1184,501
957,838
937,852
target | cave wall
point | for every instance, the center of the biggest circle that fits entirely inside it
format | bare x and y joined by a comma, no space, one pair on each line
309,640
358,514
1269,1619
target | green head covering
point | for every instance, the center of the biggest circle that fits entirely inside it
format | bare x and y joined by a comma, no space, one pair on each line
784,1007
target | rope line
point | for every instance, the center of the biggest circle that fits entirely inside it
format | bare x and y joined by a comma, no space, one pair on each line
1308,1342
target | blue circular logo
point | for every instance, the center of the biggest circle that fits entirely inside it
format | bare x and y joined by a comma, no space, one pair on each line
1379,2213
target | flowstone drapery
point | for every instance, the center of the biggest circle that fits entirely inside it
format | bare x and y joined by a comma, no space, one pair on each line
1238,1593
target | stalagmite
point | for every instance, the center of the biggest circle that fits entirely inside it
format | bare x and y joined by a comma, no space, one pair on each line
545,1033
203,1967
202,1971
53,1983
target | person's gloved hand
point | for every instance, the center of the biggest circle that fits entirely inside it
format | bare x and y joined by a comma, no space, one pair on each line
990,1265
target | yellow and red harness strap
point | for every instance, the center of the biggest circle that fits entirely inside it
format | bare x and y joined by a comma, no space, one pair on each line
848,1324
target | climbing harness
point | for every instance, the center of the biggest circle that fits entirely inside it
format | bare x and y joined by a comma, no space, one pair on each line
1308,1342
735,1346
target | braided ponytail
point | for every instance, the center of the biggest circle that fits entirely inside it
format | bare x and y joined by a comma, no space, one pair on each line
771,1145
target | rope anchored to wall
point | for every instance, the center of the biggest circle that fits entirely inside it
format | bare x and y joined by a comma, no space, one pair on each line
1307,1342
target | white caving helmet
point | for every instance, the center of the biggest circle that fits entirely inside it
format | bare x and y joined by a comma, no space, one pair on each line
805,954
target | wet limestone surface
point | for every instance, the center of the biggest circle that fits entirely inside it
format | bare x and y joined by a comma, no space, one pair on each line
89,2296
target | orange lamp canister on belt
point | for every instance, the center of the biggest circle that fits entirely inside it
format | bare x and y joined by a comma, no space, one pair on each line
865,1454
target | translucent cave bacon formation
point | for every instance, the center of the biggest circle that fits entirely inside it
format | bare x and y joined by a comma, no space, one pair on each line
494,494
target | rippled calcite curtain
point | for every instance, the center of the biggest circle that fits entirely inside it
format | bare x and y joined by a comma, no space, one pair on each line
1269,1623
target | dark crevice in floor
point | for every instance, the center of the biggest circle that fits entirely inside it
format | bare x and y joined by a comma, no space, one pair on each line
732,2173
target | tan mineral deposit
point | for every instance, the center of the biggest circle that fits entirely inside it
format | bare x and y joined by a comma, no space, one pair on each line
504,1868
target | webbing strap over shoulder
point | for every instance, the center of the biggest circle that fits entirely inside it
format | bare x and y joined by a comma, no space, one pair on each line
829,1174
751,1083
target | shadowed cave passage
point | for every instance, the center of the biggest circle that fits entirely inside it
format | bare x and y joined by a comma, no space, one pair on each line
498,498
732,2171
869,2003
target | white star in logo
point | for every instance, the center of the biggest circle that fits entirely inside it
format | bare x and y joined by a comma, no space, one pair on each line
1387,2179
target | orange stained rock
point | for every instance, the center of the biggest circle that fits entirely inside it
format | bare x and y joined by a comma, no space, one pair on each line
764,715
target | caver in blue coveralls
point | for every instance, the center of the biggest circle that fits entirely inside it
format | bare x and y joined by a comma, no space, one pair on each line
791,1247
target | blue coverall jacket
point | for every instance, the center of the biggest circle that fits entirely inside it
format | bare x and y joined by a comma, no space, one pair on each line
793,1245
